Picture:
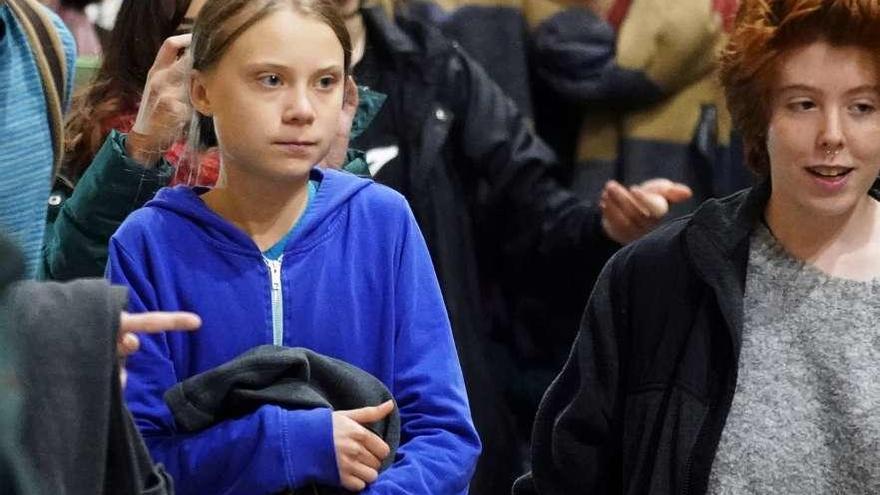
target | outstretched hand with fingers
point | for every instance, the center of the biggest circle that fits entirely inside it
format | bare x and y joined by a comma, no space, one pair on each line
164,109
127,343
630,213
359,451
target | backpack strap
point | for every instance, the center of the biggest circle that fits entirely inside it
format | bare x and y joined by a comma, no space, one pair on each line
51,62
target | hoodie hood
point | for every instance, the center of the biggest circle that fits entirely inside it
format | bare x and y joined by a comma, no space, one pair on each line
334,193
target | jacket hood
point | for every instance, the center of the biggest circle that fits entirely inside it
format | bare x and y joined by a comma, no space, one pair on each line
405,37
574,54
335,191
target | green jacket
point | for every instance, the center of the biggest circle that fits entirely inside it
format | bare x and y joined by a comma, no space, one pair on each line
82,219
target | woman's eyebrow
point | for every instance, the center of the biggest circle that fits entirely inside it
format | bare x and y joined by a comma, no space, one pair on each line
798,87
864,88
266,66
282,68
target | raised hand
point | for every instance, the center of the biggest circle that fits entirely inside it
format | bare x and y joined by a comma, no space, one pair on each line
630,213
164,110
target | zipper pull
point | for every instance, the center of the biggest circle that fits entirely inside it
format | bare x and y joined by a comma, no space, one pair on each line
275,267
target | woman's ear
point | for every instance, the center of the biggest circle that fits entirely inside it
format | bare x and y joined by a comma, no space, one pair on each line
350,94
198,94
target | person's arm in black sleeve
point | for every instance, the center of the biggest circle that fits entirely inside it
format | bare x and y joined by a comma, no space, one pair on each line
541,216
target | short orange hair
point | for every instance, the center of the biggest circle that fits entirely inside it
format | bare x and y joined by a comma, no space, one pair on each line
765,30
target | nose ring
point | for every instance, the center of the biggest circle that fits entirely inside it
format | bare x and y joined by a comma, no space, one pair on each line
831,151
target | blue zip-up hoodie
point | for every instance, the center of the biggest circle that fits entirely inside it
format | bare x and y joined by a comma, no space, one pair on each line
355,282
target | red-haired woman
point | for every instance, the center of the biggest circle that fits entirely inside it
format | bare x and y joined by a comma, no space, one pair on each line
735,351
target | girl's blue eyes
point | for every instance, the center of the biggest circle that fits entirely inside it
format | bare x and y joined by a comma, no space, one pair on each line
274,81
271,80
326,82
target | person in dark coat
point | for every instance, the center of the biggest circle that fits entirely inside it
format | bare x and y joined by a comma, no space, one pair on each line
481,186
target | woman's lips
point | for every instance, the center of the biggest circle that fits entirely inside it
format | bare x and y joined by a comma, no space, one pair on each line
829,178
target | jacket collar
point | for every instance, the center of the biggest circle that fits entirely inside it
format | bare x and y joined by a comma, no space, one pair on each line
717,239
727,223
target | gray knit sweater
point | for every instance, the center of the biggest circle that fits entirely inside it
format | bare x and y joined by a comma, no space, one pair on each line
805,417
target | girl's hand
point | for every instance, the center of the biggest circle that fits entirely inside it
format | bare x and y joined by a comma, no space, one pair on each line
359,451
164,110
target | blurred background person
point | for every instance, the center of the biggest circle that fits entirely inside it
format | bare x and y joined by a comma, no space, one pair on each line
73,13
621,90
99,184
85,33
628,90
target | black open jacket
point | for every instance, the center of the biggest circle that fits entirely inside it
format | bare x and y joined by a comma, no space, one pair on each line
640,405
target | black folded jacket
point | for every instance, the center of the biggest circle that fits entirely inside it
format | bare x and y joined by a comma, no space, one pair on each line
292,378
76,431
